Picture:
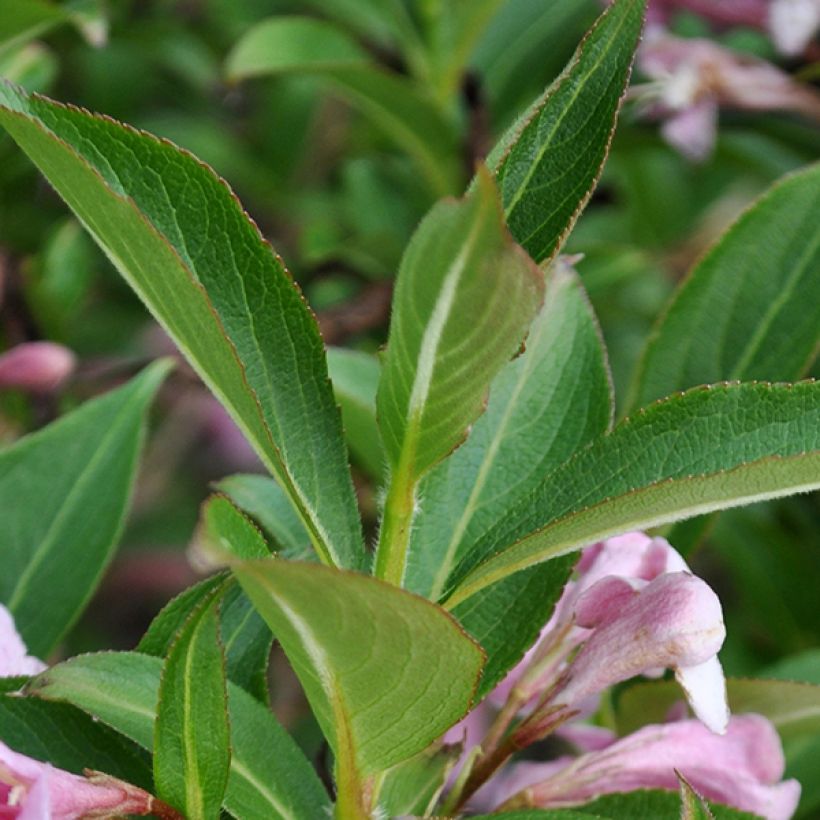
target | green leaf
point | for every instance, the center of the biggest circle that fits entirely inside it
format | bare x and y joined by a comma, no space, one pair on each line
163,630
750,309
507,618
265,501
464,299
246,637
693,806
224,533
67,737
412,788
192,751
121,689
704,450
641,804
546,404
385,672
180,238
549,402
23,20
548,163
791,706
355,377
292,44
455,27
647,804
284,45
65,492
465,296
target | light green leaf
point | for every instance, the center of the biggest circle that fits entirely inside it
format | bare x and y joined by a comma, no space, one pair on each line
693,806
549,402
385,672
704,450
454,27
412,788
67,738
121,688
180,238
750,309
645,804
283,44
397,105
546,404
192,752
265,501
223,533
547,164
465,296
65,492
23,20
355,377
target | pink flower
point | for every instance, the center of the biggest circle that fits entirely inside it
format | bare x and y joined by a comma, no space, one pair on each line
742,768
674,621
693,78
14,659
31,790
634,609
38,367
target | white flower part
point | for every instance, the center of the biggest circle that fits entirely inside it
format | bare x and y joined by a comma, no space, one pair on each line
13,657
705,688
793,24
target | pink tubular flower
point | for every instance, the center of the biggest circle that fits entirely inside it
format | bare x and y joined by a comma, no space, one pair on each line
31,790
693,78
742,768
14,659
634,609
673,621
37,367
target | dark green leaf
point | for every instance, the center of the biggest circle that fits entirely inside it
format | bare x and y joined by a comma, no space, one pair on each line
751,308
64,492
547,164
192,751
180,238
708,449
264,500
67,737
121,688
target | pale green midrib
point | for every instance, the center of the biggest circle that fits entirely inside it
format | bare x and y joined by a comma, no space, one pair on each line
68,505
775,306
245,773
321,542
191,775
431,337
485,574
482,475
533,164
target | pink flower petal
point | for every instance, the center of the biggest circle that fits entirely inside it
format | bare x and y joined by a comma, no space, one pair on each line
67,796
741,768
674,621
39,367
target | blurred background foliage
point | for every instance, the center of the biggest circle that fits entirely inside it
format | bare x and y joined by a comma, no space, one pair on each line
370,111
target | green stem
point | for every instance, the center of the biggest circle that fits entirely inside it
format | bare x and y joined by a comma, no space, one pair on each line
397,520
